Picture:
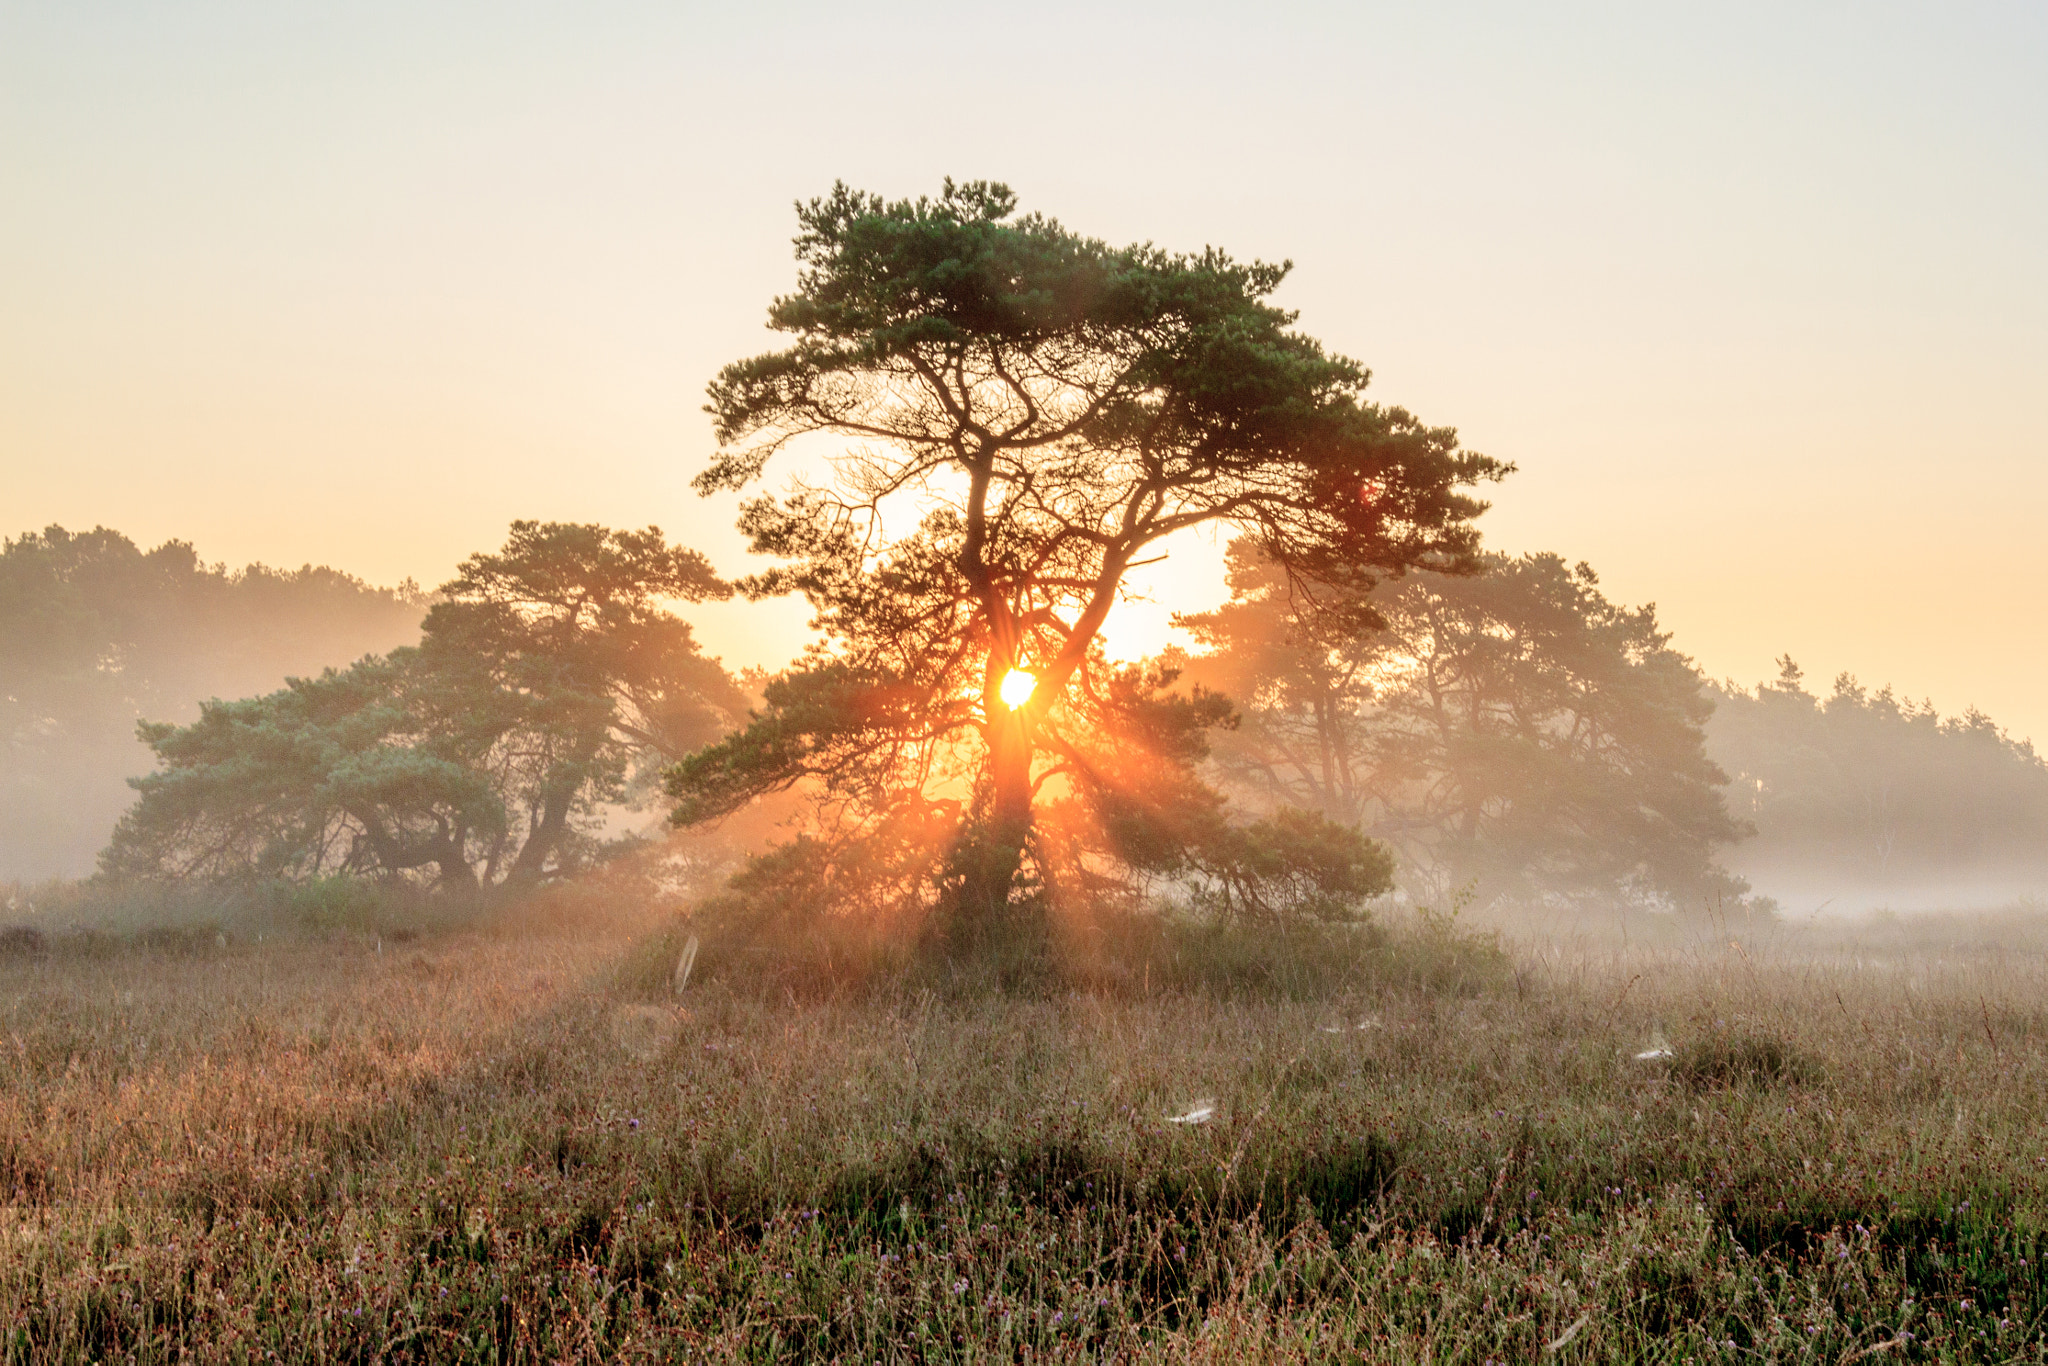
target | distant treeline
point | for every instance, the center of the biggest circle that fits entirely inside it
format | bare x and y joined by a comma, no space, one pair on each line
1510,736
1866,799
97,634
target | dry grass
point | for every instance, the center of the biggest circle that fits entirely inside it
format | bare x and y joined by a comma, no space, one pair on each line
493,1149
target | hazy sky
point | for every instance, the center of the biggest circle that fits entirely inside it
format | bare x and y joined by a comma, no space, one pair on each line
1754,295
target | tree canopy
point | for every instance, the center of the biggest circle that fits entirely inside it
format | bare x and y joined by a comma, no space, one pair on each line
489,752
1020,415
1513,732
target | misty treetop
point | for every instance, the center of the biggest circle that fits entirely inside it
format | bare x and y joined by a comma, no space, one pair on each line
1024,414
96,633
547,678
1512,732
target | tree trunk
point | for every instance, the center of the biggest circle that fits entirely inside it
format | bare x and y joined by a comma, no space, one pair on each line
452,866
546,834
996,851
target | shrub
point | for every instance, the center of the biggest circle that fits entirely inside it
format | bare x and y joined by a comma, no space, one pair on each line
22,941
1742,1057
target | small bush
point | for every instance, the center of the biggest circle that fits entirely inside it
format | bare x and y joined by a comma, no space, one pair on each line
1742,1057
169,916
1152,953
1433,953
340,903
1298,961
23,941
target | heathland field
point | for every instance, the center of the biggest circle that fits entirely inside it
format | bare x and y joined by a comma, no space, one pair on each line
487,1145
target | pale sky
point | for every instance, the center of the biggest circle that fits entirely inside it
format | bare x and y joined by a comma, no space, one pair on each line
1754,294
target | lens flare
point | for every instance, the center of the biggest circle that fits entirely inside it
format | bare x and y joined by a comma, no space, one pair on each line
1016,688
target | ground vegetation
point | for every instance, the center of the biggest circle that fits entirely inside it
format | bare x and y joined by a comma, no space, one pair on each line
484,1146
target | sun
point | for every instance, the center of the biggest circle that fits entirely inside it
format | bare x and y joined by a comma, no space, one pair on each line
1016,688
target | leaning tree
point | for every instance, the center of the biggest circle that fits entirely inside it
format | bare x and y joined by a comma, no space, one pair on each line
1020,416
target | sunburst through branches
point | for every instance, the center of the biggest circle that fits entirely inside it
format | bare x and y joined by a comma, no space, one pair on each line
1059,409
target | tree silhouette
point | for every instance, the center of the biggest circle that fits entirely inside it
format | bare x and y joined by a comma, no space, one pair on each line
568,627
1512,732
487,753
1022,415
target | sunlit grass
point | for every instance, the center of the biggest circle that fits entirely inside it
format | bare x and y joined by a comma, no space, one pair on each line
491,1149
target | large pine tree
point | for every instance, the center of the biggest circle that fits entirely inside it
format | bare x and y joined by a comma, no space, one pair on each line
1017,416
